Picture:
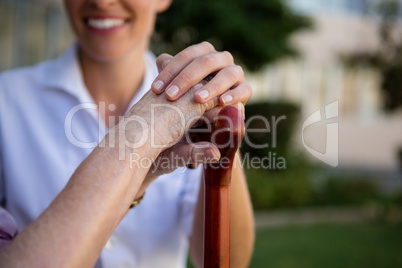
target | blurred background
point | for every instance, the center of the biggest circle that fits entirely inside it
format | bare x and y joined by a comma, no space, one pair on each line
299,56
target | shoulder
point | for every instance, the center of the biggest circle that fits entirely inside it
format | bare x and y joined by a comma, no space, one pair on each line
20,81
22,90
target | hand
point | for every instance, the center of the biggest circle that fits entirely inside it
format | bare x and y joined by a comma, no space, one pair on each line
158,124
165,124
163,121
180,73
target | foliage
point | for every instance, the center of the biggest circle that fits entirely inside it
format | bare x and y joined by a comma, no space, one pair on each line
295,188
289,188
399,157
344,190
278,190
388,58
279,118
274,187
255,31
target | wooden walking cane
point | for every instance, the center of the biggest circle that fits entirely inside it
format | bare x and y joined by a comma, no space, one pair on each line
226,133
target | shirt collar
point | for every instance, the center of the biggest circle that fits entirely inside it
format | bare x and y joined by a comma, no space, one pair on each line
65,74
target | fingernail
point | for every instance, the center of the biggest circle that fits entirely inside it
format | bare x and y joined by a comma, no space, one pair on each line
203,94
226,99
172,91
212,155
158,85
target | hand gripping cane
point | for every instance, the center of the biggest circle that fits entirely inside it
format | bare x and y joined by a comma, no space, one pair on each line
226,133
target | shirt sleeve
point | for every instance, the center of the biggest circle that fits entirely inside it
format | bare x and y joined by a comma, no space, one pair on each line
189,199
8,228
2,195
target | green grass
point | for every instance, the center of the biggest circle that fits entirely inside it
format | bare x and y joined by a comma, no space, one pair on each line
363,245
316,246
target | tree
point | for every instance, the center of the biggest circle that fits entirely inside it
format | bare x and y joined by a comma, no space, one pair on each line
255,31
388,58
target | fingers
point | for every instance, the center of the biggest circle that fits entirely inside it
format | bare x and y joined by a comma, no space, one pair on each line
225,79
211,104
198,153
239,94
171,67
162,61
182,154
178,74
196,71
208,117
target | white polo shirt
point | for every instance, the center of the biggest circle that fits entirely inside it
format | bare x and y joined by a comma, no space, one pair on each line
37,159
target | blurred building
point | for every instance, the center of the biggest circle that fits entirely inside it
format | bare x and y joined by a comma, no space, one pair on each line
368,137
31,31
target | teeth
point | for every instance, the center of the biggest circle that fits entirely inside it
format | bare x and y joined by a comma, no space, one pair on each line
103,24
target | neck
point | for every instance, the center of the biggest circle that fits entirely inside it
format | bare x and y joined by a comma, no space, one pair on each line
113,82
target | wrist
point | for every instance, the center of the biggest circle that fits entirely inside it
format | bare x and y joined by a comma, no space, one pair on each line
143,187
137,201
131,137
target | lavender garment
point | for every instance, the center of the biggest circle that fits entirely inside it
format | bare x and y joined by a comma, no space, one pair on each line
8,228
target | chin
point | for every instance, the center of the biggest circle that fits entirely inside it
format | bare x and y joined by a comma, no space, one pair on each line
107,56
103,54
110,53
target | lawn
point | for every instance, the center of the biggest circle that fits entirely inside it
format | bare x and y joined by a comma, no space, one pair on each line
366,245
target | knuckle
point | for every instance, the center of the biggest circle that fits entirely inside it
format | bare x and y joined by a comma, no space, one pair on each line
228,55
207,45
232,72
247,86
200,108
186,78
169,75
185,55
207,60
248,89
240,70
210,104
162,57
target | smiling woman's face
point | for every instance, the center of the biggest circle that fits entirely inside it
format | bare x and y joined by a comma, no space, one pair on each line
110,29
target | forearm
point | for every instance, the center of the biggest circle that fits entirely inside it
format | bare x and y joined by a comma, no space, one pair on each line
74,228
242,219
241,223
